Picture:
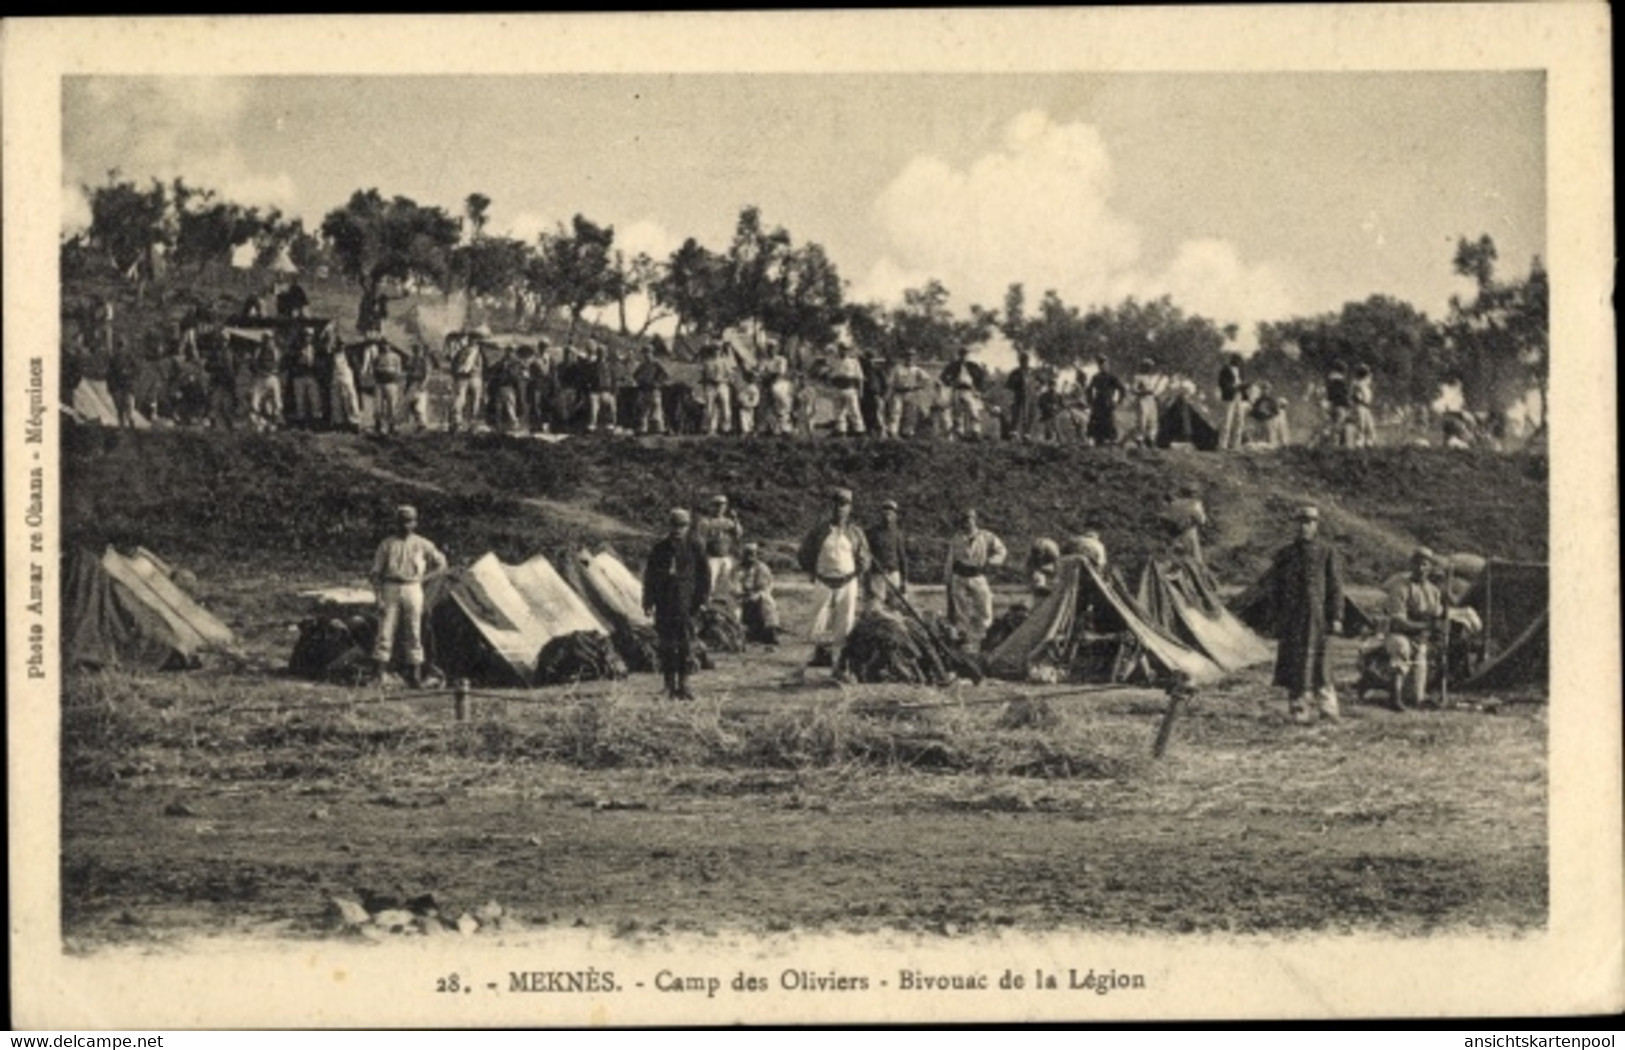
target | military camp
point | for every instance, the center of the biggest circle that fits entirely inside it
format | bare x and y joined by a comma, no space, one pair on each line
426,575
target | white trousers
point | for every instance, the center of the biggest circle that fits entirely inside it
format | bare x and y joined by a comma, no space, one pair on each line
849,413
837,612
973,605
400,606
718,407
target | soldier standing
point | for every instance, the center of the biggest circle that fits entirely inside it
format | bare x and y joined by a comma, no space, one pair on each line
889,549
403,562
1104,392
719,532
971,552
651,379
835,553
1307,583
676,586
965,379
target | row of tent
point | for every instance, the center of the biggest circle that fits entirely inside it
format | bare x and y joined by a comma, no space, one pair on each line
498,624
489,622
493,622
1091,626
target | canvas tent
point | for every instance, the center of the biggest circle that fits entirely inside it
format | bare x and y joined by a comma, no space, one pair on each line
92,403
1184,604
1086,627
1182,423
611,588
1513,601
490,620
127,611
616,595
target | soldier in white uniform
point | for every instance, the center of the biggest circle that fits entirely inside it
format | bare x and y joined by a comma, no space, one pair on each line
835,553
972,551
402,563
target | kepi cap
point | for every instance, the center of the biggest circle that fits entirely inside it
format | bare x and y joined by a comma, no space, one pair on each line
840,495
890,504
678,516
1309,512
406,512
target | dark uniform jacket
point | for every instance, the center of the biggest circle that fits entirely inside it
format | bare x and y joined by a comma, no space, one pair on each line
676,585
964,373
1307,585
888,549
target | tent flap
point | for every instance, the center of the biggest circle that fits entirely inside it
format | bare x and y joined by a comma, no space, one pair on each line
1513,600
492,620
1181,602
1083,600
126,611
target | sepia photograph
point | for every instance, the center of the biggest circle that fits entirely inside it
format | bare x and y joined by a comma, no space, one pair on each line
789,518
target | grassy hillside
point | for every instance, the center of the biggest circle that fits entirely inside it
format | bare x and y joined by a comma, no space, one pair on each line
320,501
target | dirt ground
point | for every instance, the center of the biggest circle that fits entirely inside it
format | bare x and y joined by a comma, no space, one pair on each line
234,800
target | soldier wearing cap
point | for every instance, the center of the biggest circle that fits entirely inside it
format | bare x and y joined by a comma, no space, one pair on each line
758,611
676,586
716,375
651,378
847,375
889,549
965,378
603,385
835,553
1307,596
773,372
906,381
719,532
402,563
972,551
1147,386
1415,612
467,377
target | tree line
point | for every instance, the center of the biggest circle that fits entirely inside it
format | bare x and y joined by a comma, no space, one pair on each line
766,285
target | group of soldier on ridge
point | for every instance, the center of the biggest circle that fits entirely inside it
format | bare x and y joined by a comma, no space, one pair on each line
288,370
703,556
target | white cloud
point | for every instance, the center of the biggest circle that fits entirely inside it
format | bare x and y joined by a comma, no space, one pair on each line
1038,210
526,226
1208,277
887,280
163,128
646,235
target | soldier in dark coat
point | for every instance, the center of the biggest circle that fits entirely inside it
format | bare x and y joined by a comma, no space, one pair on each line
1307,579
676,586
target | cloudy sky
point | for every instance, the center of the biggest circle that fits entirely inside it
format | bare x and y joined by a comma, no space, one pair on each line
1246,196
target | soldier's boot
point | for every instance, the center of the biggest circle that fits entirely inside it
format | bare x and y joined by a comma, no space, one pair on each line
414,676
1396,692
682,686
670,679
1299,712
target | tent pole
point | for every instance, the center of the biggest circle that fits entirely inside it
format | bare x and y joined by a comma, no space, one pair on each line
1179,693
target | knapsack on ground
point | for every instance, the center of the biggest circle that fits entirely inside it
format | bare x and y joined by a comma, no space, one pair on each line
581,656
720,629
